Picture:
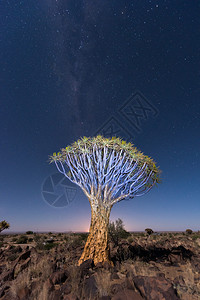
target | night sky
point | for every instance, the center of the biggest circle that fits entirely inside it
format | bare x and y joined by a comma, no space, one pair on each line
77,68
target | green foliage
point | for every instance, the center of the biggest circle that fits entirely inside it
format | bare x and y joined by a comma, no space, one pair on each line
22,240
14,239
29,232
83,236
49,246
4,225
149,231
189,231
77,240
116,231
42,246
12,257
195,237
130,239
37,238
85,146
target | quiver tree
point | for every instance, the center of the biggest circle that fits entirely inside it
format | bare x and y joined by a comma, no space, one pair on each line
4,225
108,171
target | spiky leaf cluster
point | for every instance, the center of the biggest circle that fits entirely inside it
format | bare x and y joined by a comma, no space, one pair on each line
86,145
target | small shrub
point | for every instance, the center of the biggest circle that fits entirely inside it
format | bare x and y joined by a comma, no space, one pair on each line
37,238
83,236
29,232
42,246
66,238
76,242
12,257
116,231
49,246
189,231
22,239
149,231
14,239
130,239
195,237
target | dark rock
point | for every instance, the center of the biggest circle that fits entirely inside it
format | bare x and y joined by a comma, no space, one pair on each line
49,285
99,265
9,296
36,285
4,288
107,265
21,267
8,275
178,254
157,288
23,293
17,249
59,276
24,255
55,295
66,288
114,275
87,264
70,297
89,288
2,268
116,288
127,294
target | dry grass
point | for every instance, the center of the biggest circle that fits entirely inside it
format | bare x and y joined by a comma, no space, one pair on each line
75,274
138,268
42,294
21,282
42,269
103,283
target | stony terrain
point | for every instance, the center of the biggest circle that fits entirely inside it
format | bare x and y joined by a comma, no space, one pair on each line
43,267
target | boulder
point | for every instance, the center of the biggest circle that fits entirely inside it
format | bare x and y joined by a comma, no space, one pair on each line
127,294
90,288
59,276
7,275
87,264
24,255
66,288
70,297
116,288
4,289
20,267
23,293
157,288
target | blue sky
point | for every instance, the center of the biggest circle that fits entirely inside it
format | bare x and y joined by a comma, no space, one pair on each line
67,68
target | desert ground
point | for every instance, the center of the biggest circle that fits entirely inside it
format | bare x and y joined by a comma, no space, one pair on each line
44,267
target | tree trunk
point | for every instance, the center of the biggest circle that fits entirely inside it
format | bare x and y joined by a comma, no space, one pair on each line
96,246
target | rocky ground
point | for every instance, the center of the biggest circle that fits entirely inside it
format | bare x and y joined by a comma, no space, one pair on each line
43,267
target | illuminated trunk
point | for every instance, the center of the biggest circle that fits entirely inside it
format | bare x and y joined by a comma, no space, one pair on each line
96,246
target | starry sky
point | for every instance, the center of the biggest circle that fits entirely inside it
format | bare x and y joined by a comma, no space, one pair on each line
77,68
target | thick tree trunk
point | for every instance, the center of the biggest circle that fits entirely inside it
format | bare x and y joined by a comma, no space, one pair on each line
96,246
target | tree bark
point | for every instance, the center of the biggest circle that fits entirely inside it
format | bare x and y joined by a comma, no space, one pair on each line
96,247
